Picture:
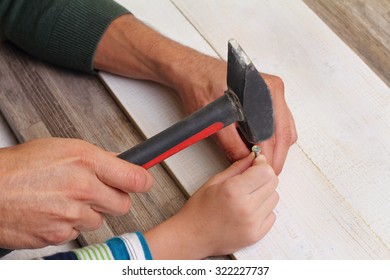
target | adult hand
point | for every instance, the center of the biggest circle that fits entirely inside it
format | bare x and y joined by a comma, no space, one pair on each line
51,189
232,210
209,83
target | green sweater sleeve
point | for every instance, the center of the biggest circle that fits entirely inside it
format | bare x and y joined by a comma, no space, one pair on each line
64,32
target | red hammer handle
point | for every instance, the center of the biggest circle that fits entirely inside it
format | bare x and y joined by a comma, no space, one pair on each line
199,125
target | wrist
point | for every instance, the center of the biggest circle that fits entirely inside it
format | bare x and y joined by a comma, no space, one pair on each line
176,238
202,81
132,49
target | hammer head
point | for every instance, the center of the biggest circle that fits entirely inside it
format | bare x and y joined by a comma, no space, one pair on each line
253,94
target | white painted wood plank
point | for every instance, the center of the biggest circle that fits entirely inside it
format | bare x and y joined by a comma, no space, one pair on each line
161,103
309,201
7,138
342,109
314,221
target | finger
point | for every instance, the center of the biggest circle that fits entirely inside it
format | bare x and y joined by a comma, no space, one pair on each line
74,233
121,174
285,137
72,236
254,177
267,149
90,220
109,200
284,125
268,205
259,160
260,195
236,168
267,225
293,127
231,143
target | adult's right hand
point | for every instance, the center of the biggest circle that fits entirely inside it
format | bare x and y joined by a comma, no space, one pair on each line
51,189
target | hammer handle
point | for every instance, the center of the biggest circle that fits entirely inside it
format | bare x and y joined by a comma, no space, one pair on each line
197,126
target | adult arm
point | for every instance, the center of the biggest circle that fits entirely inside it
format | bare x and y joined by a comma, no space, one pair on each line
64,32
102,35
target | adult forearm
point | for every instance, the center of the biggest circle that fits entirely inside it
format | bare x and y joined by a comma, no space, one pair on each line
131,48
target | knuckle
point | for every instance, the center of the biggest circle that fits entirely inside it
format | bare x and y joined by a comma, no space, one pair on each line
268,172
288,136
253,237
58,236
72,214
125,206
98,222
81,190
137,181
244,211
278,82
275,83
229,190
233,154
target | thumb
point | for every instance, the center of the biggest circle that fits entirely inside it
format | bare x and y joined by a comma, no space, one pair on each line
235,169
121,174
259,160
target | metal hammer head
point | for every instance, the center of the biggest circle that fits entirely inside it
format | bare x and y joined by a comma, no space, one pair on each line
246,83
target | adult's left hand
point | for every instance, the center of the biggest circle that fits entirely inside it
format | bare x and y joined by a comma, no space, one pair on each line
210,84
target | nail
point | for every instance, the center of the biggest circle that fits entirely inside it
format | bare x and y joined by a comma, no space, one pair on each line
256,150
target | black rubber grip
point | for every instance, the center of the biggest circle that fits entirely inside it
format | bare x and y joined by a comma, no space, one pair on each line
223,110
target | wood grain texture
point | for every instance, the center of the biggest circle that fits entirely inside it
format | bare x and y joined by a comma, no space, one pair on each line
364,26
340,195
317,218
7,138
163,104
39,100
339,105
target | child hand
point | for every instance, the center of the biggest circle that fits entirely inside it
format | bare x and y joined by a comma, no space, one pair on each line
232,210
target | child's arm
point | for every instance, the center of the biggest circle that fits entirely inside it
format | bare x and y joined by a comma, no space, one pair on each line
231,211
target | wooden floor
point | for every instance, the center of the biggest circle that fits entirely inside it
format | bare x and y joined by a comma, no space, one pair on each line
39,100
364,25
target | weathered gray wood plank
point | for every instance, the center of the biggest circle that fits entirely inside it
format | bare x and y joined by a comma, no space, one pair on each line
39,100
363,25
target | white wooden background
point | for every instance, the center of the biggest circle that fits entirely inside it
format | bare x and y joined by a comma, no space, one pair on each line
335,185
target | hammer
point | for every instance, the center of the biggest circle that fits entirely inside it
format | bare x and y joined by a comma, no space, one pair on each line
246,101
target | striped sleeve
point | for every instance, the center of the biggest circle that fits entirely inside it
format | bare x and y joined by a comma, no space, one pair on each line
129,246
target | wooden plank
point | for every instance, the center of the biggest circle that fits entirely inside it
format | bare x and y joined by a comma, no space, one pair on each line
40,100
7,138
364,26
344,232
342,110
162,104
